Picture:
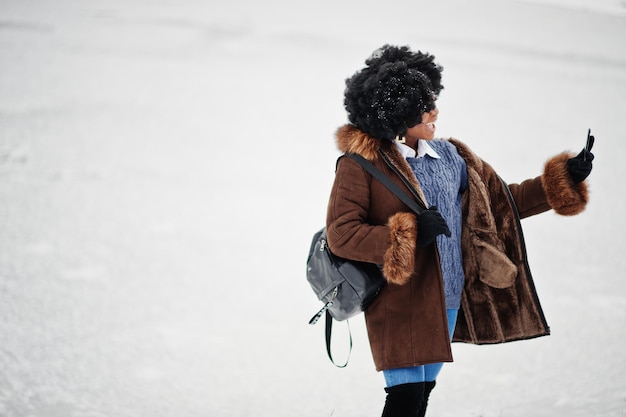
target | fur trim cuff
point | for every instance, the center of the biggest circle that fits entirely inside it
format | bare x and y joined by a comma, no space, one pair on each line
565,197
399,260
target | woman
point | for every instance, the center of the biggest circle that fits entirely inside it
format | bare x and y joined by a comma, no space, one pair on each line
458,270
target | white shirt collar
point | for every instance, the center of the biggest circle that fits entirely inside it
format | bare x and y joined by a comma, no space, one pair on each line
423,148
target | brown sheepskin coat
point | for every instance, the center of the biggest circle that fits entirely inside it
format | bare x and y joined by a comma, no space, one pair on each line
406,323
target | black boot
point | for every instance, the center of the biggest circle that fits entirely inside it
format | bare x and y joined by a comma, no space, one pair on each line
404,400
428,387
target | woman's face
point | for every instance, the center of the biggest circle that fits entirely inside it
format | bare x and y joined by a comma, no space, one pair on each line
424,130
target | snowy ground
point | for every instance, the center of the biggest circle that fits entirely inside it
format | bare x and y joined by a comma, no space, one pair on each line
164,164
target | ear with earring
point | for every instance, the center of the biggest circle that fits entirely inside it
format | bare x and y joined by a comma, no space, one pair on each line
400,139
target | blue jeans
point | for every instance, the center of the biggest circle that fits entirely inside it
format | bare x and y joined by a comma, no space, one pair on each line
421,373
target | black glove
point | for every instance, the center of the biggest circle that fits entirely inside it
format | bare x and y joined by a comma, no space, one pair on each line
579,167
430,224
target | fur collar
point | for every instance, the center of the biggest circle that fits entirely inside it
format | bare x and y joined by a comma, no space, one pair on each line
351,139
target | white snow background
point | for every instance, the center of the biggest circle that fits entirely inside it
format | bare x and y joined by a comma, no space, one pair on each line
164,164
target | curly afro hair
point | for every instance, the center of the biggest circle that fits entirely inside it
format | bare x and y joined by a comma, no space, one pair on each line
392,92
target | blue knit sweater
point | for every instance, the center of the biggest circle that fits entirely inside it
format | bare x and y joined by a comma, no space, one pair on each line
443,182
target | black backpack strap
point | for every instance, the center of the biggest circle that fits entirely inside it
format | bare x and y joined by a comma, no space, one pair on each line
406,182
329,330
392,186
